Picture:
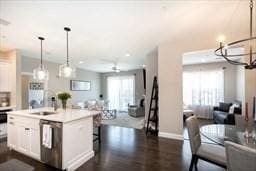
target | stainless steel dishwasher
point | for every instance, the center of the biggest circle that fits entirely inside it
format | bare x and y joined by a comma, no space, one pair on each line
52,156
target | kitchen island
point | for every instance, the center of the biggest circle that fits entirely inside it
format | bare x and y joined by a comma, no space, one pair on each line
69,136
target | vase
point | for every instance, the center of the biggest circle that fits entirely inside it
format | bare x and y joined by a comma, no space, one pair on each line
64,104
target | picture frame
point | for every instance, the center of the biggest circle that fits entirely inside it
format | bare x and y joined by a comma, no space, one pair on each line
79,85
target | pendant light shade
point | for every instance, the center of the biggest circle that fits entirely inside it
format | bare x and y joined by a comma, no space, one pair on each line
41,73
66,70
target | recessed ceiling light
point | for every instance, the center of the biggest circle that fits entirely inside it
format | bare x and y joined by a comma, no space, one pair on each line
81,62
203,60
144,66
127,55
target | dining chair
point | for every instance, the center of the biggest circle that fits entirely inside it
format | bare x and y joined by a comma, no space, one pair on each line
240,158
214,154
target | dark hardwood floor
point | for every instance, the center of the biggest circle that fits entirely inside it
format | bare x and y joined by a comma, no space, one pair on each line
127,149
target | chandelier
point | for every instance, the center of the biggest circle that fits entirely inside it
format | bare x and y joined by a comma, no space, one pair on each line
224,49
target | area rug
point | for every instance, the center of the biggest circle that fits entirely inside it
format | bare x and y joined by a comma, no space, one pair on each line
124,120
15,165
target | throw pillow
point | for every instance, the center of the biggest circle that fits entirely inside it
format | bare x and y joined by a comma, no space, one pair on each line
232,108
224,106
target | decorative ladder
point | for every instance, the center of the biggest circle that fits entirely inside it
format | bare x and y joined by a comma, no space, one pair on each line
152,122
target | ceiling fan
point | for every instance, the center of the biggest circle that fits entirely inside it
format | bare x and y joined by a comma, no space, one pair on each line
115,68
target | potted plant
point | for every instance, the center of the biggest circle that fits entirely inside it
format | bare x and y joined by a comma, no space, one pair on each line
64,96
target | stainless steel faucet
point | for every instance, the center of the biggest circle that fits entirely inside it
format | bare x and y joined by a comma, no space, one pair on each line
53,99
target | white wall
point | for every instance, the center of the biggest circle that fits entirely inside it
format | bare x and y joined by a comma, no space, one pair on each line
230,77
151,71
60,84
139,88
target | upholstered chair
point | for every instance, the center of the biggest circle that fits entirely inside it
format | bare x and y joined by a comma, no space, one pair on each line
208,152
240,158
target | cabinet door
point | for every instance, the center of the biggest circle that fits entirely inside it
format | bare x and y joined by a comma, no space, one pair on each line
23,139
4,77
34,149
12,132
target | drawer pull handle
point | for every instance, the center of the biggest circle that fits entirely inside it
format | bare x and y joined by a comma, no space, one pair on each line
26,129
11,118
11,123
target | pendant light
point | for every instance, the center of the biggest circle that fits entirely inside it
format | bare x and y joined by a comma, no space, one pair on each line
41,73
66,69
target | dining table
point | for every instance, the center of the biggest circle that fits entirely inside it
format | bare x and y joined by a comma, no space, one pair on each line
219,133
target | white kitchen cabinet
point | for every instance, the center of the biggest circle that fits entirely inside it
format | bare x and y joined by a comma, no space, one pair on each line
34,149
5,85
12,132
23,139
24,135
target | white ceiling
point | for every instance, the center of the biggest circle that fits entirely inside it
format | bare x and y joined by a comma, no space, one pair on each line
103,32
208,56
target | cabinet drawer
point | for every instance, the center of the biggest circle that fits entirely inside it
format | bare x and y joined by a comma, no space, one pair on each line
30,122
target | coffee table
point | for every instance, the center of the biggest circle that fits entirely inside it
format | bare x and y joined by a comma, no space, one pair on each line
108,114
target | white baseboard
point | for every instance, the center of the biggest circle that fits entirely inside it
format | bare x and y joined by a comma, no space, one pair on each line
80,161
171,136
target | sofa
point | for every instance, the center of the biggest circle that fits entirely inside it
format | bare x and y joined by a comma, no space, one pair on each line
222,114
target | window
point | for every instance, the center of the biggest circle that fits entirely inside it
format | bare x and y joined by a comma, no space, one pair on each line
121,92
202,90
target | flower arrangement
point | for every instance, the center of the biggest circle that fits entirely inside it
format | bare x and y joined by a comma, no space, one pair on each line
64,96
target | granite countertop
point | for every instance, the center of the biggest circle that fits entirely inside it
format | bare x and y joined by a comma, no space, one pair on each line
61,115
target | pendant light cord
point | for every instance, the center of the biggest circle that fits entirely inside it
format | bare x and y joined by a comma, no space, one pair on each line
41,60
67,51
67,30
41,53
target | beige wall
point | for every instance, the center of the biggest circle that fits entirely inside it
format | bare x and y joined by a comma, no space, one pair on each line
57,84
230,77
151,71
24,91
170,76
249,87
139,88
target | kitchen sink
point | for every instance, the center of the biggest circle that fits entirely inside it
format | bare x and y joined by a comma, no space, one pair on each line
44,113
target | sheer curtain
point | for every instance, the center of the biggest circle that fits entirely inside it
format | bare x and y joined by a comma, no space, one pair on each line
121,92
202,90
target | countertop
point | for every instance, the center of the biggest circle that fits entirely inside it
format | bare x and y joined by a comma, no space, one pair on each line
7,107
61,115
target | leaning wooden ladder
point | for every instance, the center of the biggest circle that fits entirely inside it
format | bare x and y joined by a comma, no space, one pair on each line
152,122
